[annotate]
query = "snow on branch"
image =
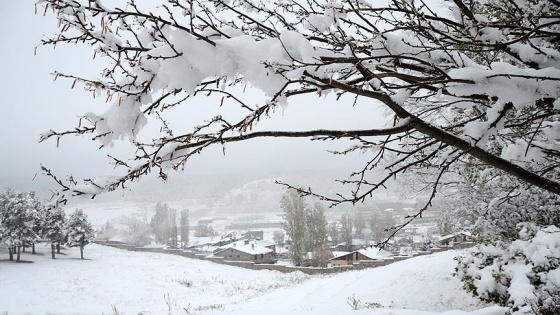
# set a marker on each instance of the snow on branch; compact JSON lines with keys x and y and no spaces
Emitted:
{"x":477,"y":80}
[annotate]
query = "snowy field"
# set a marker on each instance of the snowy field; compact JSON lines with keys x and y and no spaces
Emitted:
{"x":150,"y":283}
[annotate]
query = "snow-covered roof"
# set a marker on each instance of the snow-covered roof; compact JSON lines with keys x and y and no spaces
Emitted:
{"x":153,"y":246}
{"x":338,"y":254}
{"x":448,"y":236}
{"x":251,"y":248}
{"x":240,"y":243}
{"x":264,"y":243}
{"x":374,"y":253}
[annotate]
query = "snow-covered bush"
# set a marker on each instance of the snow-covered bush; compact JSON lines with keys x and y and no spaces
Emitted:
{"x":429,"y":243}
{"x":522,"y":274}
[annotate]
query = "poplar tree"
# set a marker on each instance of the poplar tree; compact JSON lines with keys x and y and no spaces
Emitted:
{"x":294,"y":224}
{"x":184,"y":227}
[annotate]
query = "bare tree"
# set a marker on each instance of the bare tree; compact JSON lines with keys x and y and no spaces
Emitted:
{"x":316,"y":227}
{"x":136,"y":231}
{"x":359,"y":225}
{"x":279,"y":237}
{"x":185,"y":227}
{"x":381,"y":225}
{"x":464,"y":81}
{"x":204,"y":230}
{"x":347,"y":230}
{"x":334,"y":233}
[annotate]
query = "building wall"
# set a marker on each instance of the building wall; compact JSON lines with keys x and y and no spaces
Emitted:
{"x":286,"y":269}
{"x":237,"y":255}
{"x":336,"y":263}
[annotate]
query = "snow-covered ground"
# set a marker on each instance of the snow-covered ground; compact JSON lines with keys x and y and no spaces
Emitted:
{"x":150,"y":283}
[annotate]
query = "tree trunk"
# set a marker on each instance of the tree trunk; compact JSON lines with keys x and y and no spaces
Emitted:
{"x":18,"y":253}
{"x":52,"y":250}
{"x":11,"y":253}
{"x":33,"y":248}
{"x":58,"y":248}
{"x":82,"y":251}
{"x":24,"y":248}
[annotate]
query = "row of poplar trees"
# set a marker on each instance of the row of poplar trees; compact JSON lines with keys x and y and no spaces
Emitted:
{"x":164,"y":225}
{"x":307,"y":228}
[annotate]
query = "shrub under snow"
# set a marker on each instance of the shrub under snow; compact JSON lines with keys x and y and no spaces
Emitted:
{"x":521,"y":274}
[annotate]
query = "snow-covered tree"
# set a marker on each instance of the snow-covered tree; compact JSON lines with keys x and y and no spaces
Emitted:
{"x":294,"y":224}
{"x":16,"y":221}
{"x":54,"y":228}
{"x":134,"y":230}
{"x":38,"y":213}
{"x":494,"y":210}
{"x":204,"y":230}
{"x":164,"y":224}
{"x":106,"y":231}
{"x":79,"y":231}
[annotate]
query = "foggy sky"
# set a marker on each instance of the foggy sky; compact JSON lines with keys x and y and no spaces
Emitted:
{"x":32,"y":103}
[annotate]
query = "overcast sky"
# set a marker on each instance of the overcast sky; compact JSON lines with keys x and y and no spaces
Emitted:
{"x":32,"y":103}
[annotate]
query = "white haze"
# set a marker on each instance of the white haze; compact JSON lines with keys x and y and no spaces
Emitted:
{"x":32,"y":103}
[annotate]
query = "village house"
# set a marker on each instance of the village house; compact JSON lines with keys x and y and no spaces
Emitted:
{"x":456,"y":238}
{"x":369,"y":253}
{"x":246,"y":251}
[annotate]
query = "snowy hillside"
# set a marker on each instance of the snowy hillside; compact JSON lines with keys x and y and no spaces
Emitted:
{"x":149,"y":283}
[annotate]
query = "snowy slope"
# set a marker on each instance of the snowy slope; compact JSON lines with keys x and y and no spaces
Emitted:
{"x":160,"y":284}
{"x":421,"y":283}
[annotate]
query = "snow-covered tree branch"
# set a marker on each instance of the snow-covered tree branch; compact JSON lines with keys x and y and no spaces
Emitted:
{"x":464,"y":80}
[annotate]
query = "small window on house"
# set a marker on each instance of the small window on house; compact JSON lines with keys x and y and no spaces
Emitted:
{"x":262,"y":255}
{"x":255,"y":257}
{"x":237,"y":256}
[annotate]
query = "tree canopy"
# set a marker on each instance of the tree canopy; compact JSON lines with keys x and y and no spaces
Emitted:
{"x":471,"y":85}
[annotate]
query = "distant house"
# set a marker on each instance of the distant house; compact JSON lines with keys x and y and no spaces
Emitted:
{"x":246,"y":252}
{"x":224,"y":241}
{"x":357,"y":243}
{"x":254,"y":235}
{"x":267,"y":244}
{"x":456,"y":238}
{"x":369,"y":253}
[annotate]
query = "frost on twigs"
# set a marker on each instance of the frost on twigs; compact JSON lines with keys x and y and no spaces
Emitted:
{"x":465,"y":84}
